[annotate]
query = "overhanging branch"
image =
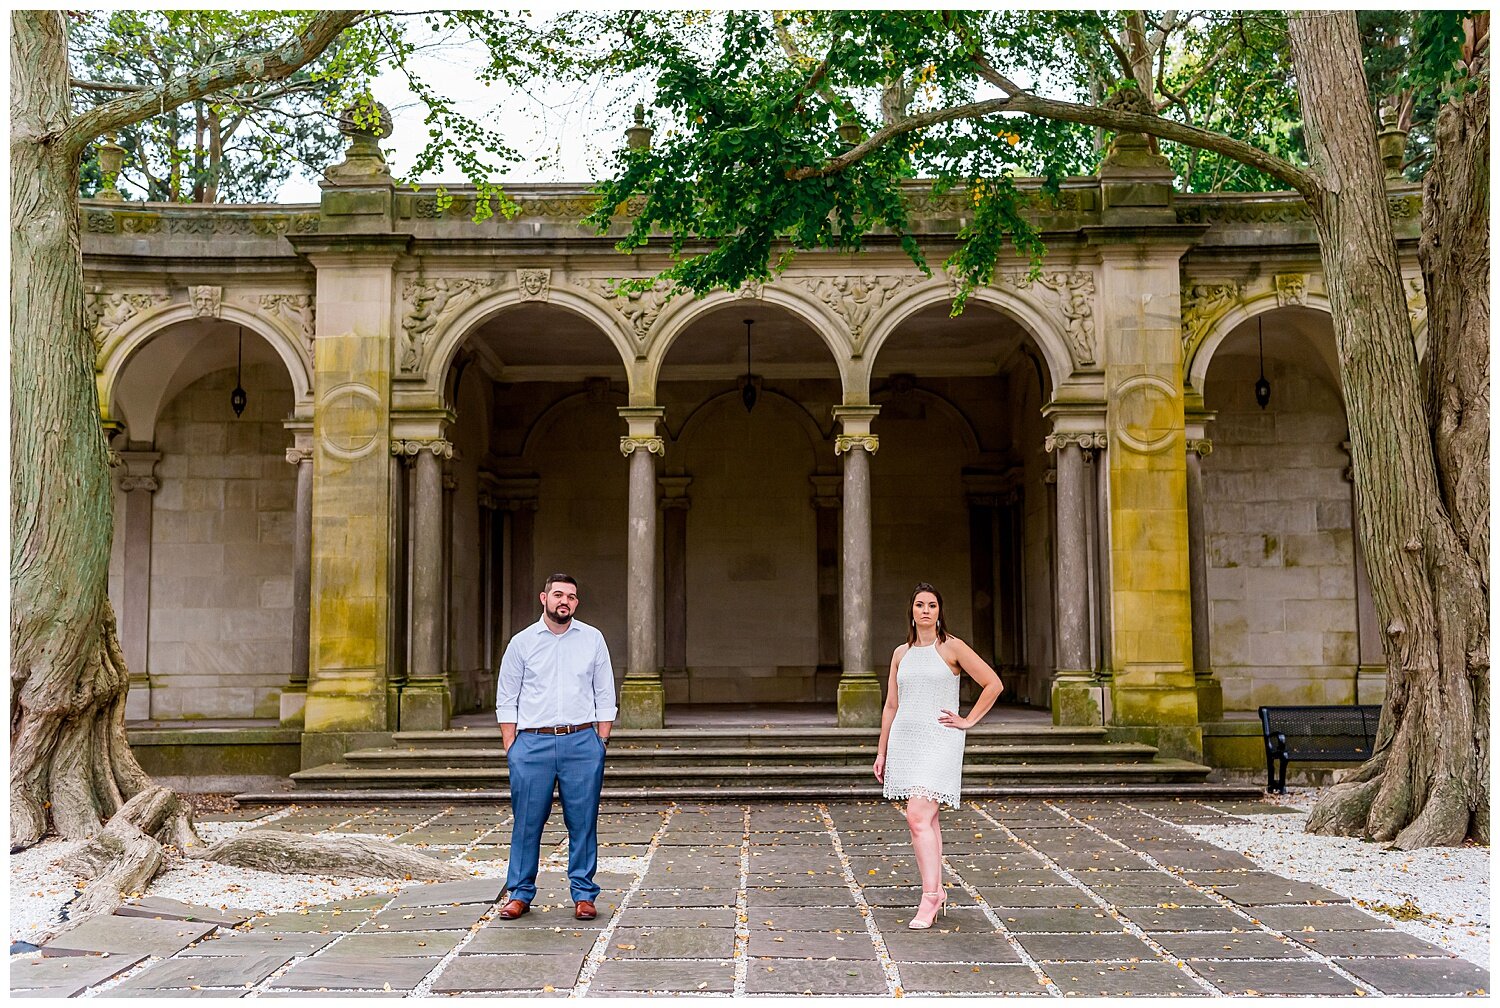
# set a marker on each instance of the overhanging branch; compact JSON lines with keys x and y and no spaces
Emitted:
{"x":273,"y":64}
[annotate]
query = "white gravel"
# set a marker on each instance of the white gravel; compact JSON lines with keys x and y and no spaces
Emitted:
{"x":1438,"y":894}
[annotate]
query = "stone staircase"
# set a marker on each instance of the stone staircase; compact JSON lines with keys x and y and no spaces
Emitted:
{"x":749,"y":762}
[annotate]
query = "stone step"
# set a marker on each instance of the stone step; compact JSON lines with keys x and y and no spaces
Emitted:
{"x":691,"y":758}
{"x":1116,"y":790}
{"x":770,"y":735}
{"x":1160,"y":771}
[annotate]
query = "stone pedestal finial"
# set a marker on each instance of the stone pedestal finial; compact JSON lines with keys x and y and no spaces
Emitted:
{"x":111,"y":160}
{"x":1135,"y":180}
{"x":638,"y":137}
{"x":364,"y":161}
{"x":1392,"y":142}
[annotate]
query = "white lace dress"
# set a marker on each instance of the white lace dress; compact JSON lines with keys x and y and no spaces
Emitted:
{"x":923,"y":757}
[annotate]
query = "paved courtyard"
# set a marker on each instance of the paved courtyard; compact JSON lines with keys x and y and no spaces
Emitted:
{"x":1053,"y":898}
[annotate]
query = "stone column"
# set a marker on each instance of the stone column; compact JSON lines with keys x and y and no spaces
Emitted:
{"x":450,"y":488}
{"x":674,"y":507}
{"x":1076,"y":696}
{"x":517,"y":497}
{"x":350,"y":609}
{"x":1369,"y":669}
{"x":138,"y":483}
{"x":826,"y":502}
{"x":642,"y":694}
{"x":426,"y":703}
{"x":1153,"y":691}
{"x":294,"y":695}
{"x":860,"y":690}
{"x":399,"y":576}
{"x":1210,"y":689}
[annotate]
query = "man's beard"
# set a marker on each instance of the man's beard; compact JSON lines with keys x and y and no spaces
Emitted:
{"x":554,"y":617}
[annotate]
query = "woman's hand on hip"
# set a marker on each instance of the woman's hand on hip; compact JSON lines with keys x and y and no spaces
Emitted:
{"x":948,"y":719}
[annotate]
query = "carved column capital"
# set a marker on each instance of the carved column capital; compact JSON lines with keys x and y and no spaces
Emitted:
{"x":439,"y":447}
{"x":139,"y":471}
{"x":1200,"y":446}
{"x":654,"y":445}
{"x":296,"y":456}
{"x":150,"y":484}
{"x":847,"y":442}
{"x":1087,"y":440}
{"x":674,"y":493}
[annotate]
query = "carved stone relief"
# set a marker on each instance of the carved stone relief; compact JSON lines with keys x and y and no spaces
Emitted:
{"x":535,"y":284}
{"x":856,"y":299}
{"x":1201,"y":304}
{"x":424,"y":303}
{"x":640,"y":308}
{"x":297,"y":311}
{"x":207,"y":300}
{"x":1291,"y":289}
{"x":1075,"y":298}
{"x":104,"y":312}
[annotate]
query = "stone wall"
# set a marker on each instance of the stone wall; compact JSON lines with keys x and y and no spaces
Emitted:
{"x":1279,"y":542}
{"x":221,"y":575}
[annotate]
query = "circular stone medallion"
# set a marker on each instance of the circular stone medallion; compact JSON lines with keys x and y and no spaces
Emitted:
{"x":348,"y":418}
{"x":1150,"y":415}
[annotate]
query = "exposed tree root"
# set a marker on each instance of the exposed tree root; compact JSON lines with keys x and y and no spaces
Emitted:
{"x":346,"y":857}
{"x":124,"y":858}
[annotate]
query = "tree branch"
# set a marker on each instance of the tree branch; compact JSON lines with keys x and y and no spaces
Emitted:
{"x":92,"y":85}
{"x":274,"y":64}
{"x":1089,"y":115}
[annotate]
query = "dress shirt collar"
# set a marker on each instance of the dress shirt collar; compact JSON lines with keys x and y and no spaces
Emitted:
{"x":542,"y":627}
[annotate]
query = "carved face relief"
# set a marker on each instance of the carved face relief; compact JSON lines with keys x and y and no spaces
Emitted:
{"x":206,"y":300}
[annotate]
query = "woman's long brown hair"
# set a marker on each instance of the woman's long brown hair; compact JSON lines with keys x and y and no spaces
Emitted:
{"x":911,"y":623}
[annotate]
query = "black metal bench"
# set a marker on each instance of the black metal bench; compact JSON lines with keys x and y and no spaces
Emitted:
{"x":1322,"y":734}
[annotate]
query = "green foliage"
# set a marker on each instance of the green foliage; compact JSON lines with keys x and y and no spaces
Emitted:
{"x":238,"y":146}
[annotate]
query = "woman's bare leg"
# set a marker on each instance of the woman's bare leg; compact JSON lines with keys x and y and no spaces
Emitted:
{"x":927,"y":845}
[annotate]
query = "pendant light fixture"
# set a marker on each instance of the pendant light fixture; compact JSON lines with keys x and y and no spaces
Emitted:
{"x":237,"y":398}
{"x":747,"y":390}
{"x":1262,"y":387}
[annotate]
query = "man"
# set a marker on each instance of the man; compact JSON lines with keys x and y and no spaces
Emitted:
{"x":556,"y":704}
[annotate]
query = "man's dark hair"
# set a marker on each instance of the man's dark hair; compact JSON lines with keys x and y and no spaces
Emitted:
{"x":553,"y":579}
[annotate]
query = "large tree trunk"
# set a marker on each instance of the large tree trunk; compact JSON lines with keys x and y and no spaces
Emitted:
{"x":69,"y":758}
{"x":1426,"y":783}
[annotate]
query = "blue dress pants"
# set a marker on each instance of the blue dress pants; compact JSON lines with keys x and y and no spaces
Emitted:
{"x":575,"y":764}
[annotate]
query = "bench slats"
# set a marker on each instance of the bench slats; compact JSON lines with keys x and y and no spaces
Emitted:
{"x":1322,"y":733}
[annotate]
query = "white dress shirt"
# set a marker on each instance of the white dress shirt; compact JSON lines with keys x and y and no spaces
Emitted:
{"x":549,"y":679}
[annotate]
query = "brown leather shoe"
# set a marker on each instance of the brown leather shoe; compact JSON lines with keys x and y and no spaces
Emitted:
{"x":515,"y":908}
{"x":584,"y":910}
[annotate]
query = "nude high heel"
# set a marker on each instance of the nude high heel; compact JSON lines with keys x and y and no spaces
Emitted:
{"x":918,"y":924}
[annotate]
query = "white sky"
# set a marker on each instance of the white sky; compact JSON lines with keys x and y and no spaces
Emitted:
{"x":565,"y":133}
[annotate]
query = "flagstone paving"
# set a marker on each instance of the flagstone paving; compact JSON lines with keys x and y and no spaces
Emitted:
{"x":1044,"y":898}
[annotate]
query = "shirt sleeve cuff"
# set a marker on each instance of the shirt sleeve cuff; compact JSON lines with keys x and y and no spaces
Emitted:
{"x":507,"y":715}
{"x":605,"y":713}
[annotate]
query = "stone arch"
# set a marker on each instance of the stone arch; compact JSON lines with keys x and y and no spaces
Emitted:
{"x":125,"y":346}
{"x":1195,"y":368}
{"x":684,"y":310}
{"x":1033,"y":317}
{"x":454,"y":332}
{"x":548,"y":416}
{"x":819,"y":439}
{"x":958,"y":417}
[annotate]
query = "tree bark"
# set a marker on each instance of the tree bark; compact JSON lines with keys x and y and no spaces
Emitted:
{"x":348,"y":856}
{"x":1423,"y":786}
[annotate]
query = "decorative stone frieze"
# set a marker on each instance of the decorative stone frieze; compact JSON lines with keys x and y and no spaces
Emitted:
{"x":654,"y":445}
{"x":424,"y":302}
{"x":856,"y":299}
{"x":640,"y":308}
{"x":1291,"y":289}
{"x":535,"y":284}
{"x":104,"y":312}
{"x":845,"y":442}
{"x":411,"y":448}
{"x":297,"y":311}
{"x":207,"y":301}
{"x":1201,"y":304}
{"x":1087,"y":440}
{"x":1239,"y":210}
{"x":204,"y":222}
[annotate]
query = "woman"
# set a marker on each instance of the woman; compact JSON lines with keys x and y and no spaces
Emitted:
{"x":923,"y":736}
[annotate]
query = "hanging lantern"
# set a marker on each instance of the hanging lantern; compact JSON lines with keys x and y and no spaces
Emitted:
{"x":747,"y":390}
{"x":1262,"y":387}
{"x":237,"y":398}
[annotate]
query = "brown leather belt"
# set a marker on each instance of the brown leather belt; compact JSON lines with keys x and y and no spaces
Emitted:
{"x":566,"y":729}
